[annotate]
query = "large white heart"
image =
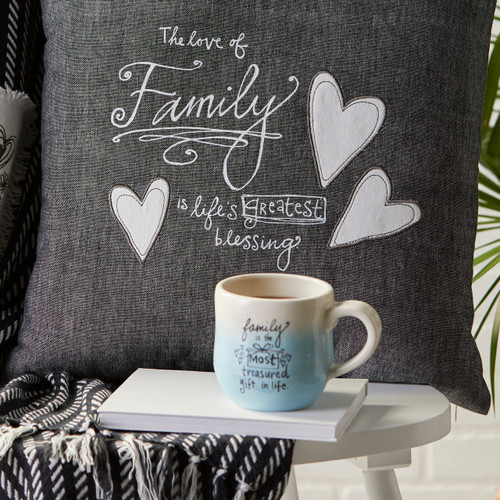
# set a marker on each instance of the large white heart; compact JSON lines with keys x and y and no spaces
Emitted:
{"x":370,"y":213}
{"x":339,"y":132}
{"x":141,"y":219}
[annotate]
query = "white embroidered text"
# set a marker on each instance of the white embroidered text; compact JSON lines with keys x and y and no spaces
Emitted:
{"x":241,"y":103}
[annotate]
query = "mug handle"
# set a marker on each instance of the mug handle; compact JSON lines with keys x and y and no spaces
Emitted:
{"x":369,"y":317}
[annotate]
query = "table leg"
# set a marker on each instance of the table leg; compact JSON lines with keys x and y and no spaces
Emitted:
{"x":291,"y":492}
{"x":381,"y":485}
{"x":378,"y":473}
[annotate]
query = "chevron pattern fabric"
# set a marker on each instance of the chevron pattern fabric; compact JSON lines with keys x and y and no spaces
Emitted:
{"x":21,"y":68}
{"x":53,"y":447}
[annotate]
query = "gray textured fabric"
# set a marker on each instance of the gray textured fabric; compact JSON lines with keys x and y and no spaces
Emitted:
{"x":109,"y":294}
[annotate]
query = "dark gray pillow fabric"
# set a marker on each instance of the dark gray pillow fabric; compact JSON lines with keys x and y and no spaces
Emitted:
{"x":184,"y":142}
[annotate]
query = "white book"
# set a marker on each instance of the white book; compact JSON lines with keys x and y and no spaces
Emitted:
{"x":189,"y":401}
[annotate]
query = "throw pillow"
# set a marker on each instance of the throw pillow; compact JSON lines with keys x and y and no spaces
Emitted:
{"x":184,"y":142}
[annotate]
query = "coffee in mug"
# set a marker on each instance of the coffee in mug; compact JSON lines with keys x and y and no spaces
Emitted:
{"x":274,"y":339}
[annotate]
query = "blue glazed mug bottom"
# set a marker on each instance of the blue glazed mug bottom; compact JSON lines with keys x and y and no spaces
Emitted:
{"x":260,"y":375}
{"x":251,"y":399}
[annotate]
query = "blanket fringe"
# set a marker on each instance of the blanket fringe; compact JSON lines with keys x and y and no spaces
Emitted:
{"x":80,"y":450}
{"x":75,"y":448}
{"x":161,"y":474}
{"x":175,"y":489}
{"x":190,"y":479}
{"x":9,"y":434}
{"x":88,"y":451}
{"x":243,"y":488}
{"x":102,"y":466}
{"x":7,"y":94}
{"x":138,"y":453}
{"x":218,"y":482}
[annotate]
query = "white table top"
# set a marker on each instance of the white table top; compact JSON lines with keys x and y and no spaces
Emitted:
{"x":393,"y":417}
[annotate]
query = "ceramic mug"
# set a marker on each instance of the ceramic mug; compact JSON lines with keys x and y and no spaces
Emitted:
{"x":273,"y":346}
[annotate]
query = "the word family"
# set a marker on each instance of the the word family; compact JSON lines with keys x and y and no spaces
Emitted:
{"x":269,"y":327}
{"x":264,"y":364}
{"x":241,"y":102}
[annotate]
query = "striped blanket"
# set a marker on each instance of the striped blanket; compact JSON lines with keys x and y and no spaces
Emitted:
{"x":52,"y":447}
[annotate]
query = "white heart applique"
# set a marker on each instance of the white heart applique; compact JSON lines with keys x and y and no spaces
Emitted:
{"x":141,"y":219}
{"x":370,"y":213}
{"x":339,"y":132}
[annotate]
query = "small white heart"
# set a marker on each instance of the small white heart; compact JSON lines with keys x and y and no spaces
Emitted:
{"x":339,"y":132}
{"x":370,"y":213}
{"x":141,"y":219}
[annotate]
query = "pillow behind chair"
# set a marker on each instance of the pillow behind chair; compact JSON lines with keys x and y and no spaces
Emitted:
{"x":187,"y":141}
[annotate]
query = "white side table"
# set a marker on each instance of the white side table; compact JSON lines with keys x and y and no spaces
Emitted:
{"x":393,"y":419}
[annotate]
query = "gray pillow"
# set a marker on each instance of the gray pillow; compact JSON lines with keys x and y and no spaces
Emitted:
{"x":184,"y":142}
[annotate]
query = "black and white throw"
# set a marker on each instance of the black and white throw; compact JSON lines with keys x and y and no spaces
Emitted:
{"x":53,"y":447}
